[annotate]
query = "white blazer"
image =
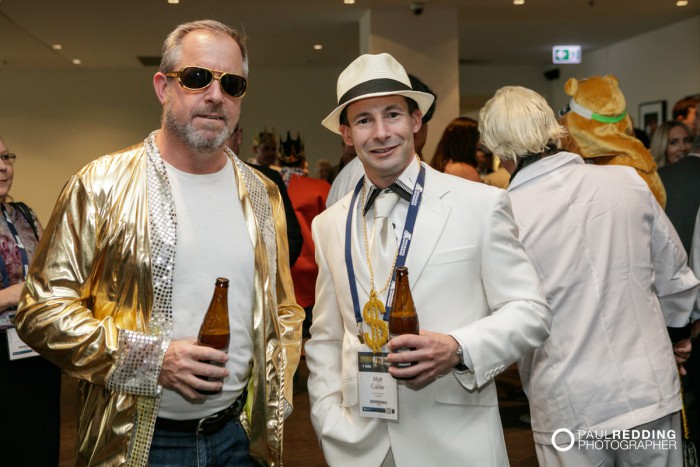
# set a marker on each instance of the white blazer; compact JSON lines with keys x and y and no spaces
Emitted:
{"x":616,"y":275}
{"x":469,"y":277}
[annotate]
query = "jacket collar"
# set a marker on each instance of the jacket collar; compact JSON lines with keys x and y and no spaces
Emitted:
{"x":544,"y":166}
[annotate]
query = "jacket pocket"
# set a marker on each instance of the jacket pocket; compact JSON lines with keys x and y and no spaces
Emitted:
{"x":449,"y":391}
{"x":451,"y":256}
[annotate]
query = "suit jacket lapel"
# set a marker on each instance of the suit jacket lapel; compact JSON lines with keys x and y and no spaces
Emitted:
{"x":432,"y":217}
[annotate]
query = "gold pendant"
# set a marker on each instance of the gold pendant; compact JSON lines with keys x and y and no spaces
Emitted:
{"x":373,"y":313}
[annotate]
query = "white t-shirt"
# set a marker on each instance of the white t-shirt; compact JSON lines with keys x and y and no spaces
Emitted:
{"x":212,"y":242}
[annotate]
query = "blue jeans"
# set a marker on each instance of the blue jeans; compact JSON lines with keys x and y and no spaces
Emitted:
{"x":227,"y":447}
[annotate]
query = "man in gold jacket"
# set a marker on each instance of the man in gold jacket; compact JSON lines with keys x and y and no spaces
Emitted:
{"x":125,"y":271}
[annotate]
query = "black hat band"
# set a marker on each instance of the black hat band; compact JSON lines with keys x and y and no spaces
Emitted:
{"x":373,"y":86}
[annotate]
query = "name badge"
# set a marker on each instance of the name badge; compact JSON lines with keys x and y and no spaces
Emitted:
{"x":378,"y":389}
{"x":17,"y":349}
{"x":6,"y":318}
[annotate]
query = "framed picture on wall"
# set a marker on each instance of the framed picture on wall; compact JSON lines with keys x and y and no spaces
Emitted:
{"x":651,"y":115}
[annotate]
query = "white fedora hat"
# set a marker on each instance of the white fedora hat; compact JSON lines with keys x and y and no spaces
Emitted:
{"x":373,"y":76}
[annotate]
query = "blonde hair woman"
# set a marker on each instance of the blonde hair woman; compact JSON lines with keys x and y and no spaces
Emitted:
{"x":672,"y":140}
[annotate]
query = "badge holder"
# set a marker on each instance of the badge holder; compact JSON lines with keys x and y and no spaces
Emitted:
{"x":16,"y":349}
{"x":378,"y":389}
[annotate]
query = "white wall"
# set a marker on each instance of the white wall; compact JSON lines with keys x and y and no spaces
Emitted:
{"x":478,"y":83}
{"x":659,"y":65}
{"x":56,"y":121}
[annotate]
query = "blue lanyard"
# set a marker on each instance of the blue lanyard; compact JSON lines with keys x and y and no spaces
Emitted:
{"x":403,"y":246}
{"x":20,"y":246}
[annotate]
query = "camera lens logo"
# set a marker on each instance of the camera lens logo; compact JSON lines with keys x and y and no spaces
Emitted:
{"x":562,"y":448}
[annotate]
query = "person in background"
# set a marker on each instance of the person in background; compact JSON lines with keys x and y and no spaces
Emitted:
{"x":324,"y":170}
{"x":499,"y":178}
{"x":642,"y":136}
{"x":599,"y":129}
{"x":484,"y":160}
{"x":682,"y":208}
{"x":686,"y":111}
{"x":308,"y":197}
{"x":477,"y":296}
{"x":346,"y":180}
{"x":121,"y":281}
{"x":235,"y":140}
{"x":265,"y":149}
{"x":30,"y":386}
{"x":294,"y":237}
{"x":696,"y":128}
{"x":456,"y":151}
{"x":683,"y":193}
{"x":616,"y":277}
{"x":347,"y":154}
{"x":421,"y":136}
{"x":350,"y":173}
{"x":672,"y":141}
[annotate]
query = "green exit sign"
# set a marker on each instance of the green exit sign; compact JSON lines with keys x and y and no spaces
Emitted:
{"x":566,"y":54}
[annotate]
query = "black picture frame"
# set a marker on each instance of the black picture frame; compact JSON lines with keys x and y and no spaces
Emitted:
{"x":651,"y":115}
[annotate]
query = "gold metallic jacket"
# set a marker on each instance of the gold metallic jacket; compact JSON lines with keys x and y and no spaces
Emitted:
{"x":97,"y":303}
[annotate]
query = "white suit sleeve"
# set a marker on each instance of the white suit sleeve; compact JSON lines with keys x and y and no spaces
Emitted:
{"x":520,"y":317}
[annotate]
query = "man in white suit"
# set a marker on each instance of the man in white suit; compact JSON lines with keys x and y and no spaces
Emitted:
{"x":478,"y":298}
{"x":621,"y":293}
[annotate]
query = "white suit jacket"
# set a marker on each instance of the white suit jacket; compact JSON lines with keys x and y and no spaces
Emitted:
{"x":616,"y":275}
{"x":469,"y":277}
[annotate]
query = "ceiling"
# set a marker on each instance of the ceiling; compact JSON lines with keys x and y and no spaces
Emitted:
{"x":112,"y":34}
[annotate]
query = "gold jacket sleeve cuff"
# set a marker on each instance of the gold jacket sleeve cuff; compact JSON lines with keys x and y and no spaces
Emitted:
{"x":139,"y":360}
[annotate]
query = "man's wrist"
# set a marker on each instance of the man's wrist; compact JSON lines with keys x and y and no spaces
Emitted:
{"x":460,"y":366}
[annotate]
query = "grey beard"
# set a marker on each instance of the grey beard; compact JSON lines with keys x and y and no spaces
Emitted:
{"x":188,"y":134}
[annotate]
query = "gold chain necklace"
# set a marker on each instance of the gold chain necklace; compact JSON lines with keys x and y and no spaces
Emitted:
{"x":373,"y":311}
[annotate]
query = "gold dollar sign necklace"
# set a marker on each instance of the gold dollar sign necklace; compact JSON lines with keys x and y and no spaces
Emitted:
{"x":373,"y":311}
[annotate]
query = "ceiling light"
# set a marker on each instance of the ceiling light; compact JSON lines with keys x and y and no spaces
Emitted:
{"x":682,"y":3}
{"x":76,"y":61}
{"x":518,"y":2}
{"x":318,"y":47}
{"x":57,"y":46}
{"x":349,"y":2}
{"x":173,"y":2}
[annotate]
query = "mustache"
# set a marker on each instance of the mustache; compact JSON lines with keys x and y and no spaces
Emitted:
{"x":211,"y":109}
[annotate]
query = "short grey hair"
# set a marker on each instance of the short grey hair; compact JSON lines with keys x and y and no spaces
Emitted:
{"x":172,"y":46}
{"x":517,"y":121}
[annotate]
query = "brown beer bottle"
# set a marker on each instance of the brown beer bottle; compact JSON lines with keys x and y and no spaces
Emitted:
{"x":215,"y":331}
{"x":403,"y":318}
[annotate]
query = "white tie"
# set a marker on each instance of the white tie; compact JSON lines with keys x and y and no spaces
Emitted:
{"x":383,"y":245}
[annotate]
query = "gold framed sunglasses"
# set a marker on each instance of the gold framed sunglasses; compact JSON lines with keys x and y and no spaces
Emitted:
{"x":8,"y":159}
{"x":196,"y":78}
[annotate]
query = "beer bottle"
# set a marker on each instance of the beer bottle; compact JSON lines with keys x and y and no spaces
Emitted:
{"x":215,"y":331}
{"x":403,"y":318}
